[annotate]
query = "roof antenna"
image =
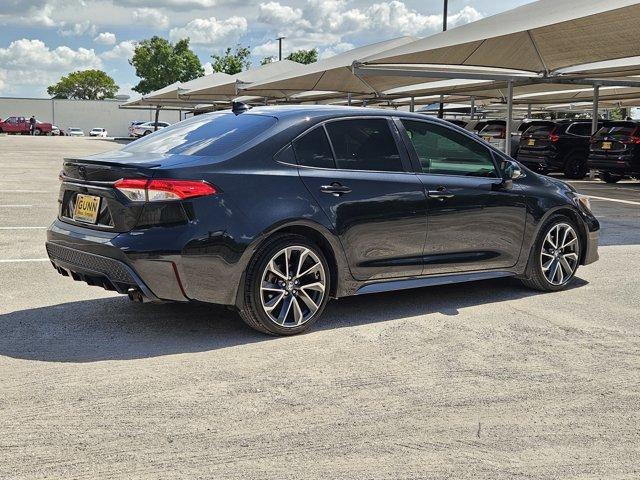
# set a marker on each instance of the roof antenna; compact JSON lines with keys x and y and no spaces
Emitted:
{"x":239,"y":107}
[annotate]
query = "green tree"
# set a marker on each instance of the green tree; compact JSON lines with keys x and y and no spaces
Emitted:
{"x":232,"y":62}
{"x":84,"y":85}
{"x":159,"y":63}
{"x":267,"y":60}
{"x":304,"y":56}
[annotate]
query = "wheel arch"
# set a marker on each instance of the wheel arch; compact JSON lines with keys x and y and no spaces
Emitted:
{"x":341,"y":281}
{"x":571,"y":213}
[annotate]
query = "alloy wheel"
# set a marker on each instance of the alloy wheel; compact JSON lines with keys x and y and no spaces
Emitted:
{"x":559,"y":256}
{"x":293,"y":286}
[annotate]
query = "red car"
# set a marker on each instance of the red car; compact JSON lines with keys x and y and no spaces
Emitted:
{"x":20,"y":126}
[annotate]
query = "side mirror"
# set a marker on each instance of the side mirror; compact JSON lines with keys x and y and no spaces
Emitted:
{"x":511,"y":170}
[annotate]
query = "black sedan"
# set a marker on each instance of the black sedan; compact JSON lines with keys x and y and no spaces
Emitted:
{"x":274,"y":210}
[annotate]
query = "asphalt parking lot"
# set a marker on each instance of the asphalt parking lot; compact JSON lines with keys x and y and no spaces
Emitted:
{"x":482,"y":380}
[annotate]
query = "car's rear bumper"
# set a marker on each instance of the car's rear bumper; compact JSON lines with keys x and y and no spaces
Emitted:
{"x":539,"y":161}
{"x":622,"y":164}
{"x":94,"y":258}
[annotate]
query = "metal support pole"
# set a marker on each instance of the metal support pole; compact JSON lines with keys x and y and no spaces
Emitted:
{"x":441,"y":107}
{"x":444,"y":15}
{"x":348,"y":99}
{"x":507,"y":133}
{"x":280,"y":47}
{"x":412,"y":105}
{"x":155,"y":127}
{"x":529,"y":111}
{"x":594,"y":120}
{"x":473,"y":107}
{"x":594,"y":111}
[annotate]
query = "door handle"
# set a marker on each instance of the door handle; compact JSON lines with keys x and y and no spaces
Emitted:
{"x":440,"y":193}
{"x":336,"y":189}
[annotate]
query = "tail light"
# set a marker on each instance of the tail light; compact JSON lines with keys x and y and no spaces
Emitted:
{"x":503,"y":133}
{"x":634,"y":137}
{"x":157,"y":190}
{"x":554,"y":137}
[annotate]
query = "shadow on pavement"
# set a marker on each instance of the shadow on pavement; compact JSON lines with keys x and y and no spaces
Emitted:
{"x":117,"y":329}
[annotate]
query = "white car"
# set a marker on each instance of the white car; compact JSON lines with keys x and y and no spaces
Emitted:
{"x":147,"y":128}
{"x":75,"y":132}
{"x":55,"y":131}
{"x":98,"y":132}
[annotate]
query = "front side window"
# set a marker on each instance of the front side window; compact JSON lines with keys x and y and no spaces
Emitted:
{"x":364,"y":144}
{"x":313,"y":149}
{"x":446,"y":152}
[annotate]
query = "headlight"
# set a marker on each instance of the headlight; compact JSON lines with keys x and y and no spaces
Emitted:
{"x":583,"y":201}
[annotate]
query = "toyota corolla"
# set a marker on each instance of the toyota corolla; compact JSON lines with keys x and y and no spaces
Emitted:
{"x":275,"y":210}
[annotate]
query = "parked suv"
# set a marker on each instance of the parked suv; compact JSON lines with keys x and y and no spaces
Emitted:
{"x":557,"y":146}
{"x":615,"y":151}
{"x":277,"y":209}
{"x":495,"y":133}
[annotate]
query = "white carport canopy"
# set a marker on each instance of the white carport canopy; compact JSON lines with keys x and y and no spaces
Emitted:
{"x":539,"y":37}
{"x":170,"y":92}
{"x":330,"y":74}
{"x":227,"y":88}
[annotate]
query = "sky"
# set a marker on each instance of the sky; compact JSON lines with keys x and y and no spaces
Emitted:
{"x":42,"y":40}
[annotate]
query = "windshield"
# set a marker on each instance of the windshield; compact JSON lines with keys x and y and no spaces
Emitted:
{"x":493,"y":129}
{"x":205,"y":135}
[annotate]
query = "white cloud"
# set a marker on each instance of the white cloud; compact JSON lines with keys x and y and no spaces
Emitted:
{"x":211,"y":32}
{"x":335,"y":49}
{"x":105,"y":38}
{"x":208,"y":68}
{"x":27,"y":12}
{"x":31,"y":63}
{"x":122,"y":50}
{"x":78,"y":29}
{"x":466,"y":15}
{"x":151,"y":17}
{"x":170,"y":4}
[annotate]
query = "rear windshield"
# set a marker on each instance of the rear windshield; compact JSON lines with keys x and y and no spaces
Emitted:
{"x":539,"y":130}
{"x":205,"y":135}
{"x":493,"y":128}
{"x":620,"y":132}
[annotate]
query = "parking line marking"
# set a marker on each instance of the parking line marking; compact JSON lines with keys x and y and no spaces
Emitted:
{"x":628,"y":202}
{"x":23,"y":228}
{"x":23,"y":260}
{"x":16,"y":206}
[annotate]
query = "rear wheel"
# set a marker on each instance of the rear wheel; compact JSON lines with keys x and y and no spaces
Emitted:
{"x":37,"y":131}
{"x":146,"y":132}
{"x":555,"y":256}
{"x":575,"y":166}
{"x":287,"y":286}
{"x":610,"y":177}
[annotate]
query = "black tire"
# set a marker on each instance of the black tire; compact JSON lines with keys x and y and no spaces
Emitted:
{"x":37,"y":132}
{"x":251,"y":309}
{"x":610,"y":177}
{"x":534,"y":277}
{"x":146,"y":132}
{"x":575,"y":167}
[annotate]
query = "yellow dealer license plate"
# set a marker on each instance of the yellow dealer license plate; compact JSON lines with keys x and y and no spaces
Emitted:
{"x":532,"y":142}
{"x":606,"y":145}
{"x":87,"y":208}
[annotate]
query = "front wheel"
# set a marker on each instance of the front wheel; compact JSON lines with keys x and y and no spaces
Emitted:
{"x":555,"y":256}
{"x":610,"y":177}
{"x":287,"y":286}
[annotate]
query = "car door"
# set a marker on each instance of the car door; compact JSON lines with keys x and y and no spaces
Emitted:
{"x":12,"y":125}
{"x":363,"y":182}
{"x":475,"y":220}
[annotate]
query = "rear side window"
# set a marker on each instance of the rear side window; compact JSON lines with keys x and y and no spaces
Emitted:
{"x":204,"y":135}
{"x":364,"y":144}
{"x":446,"y":152}
{"x":580,"y":129}
{"x":313,"y":149}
